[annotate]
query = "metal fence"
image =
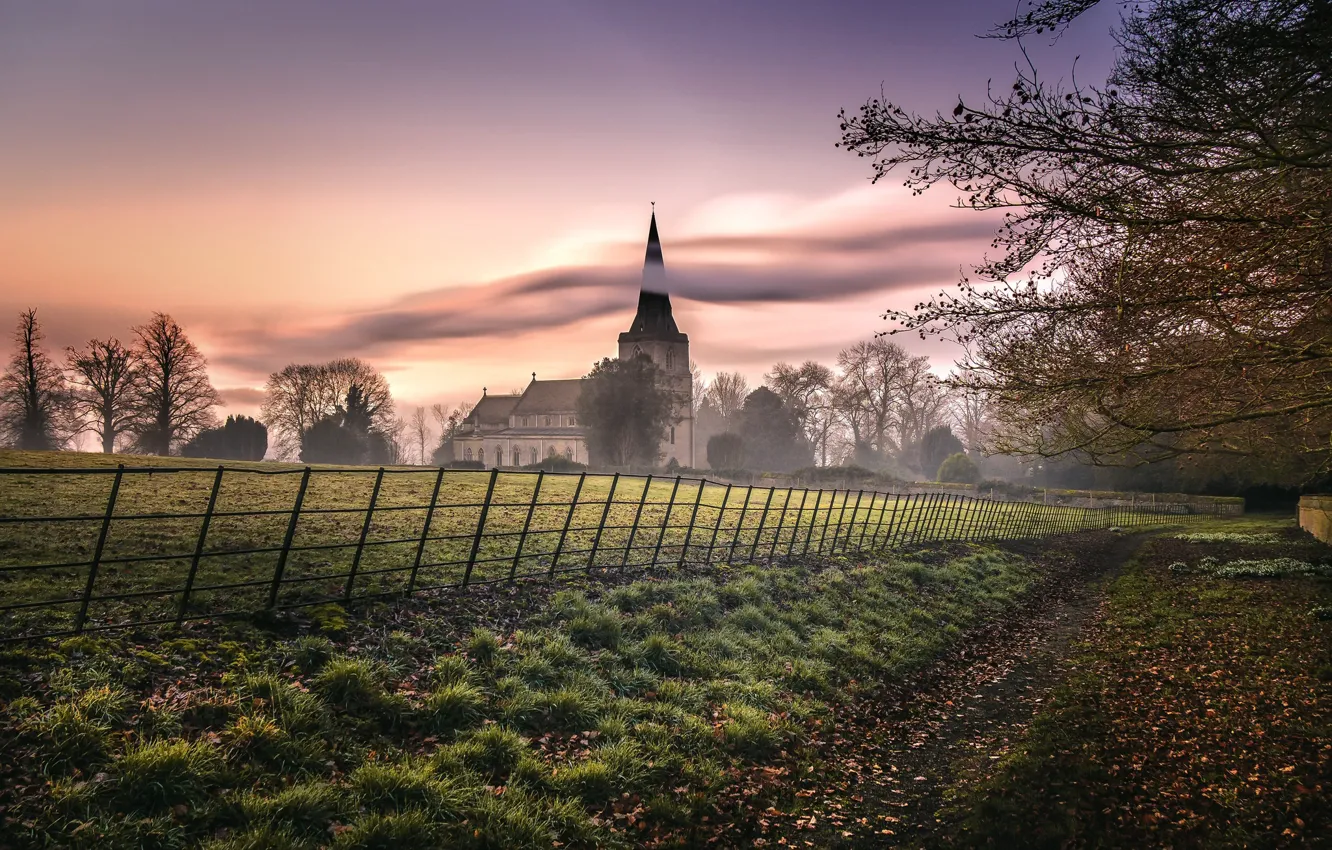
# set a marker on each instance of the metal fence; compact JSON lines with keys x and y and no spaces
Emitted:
{"x":84,"y":549}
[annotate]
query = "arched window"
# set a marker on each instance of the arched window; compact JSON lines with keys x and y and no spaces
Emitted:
{"x":481,"y":455}
{"x":467,"y":453}
{"x":517,"y":457}
{"x":672,"y":435}
{"x":534,"y":455}
{"x":670,"y":359}
{"x":568,"y":453}
{"x":638,"y":351}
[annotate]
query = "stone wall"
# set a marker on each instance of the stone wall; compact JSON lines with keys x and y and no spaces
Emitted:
{"x":1316,"y":516}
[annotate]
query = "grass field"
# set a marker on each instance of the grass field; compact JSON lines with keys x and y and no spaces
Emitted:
{"x":624,"y":714}
{"x":153,"y":548}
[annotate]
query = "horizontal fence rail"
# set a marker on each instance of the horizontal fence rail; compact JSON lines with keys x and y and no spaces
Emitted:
{"x":119,"y":546}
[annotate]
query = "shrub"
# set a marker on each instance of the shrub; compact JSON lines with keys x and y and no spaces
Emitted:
{"x":453,"y":707}
{"x":158,"y":774}
{"x":726,"y":451}
{"x":958,"y":469}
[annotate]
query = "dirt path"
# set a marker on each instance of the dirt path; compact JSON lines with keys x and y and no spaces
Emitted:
{"x":892,"y":771}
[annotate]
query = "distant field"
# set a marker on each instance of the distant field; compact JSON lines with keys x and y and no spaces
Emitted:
{"x":50,"y":524}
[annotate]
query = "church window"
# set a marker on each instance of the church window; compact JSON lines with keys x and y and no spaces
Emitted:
{"x":467,"y":453}
{"x":568,"y":453}
{"x":481,"y":456}
{"x":534,"y":454}
{"x":545,"y":420}
{"x":573,"y":420}
{"x":517,"y":457}
{"x":672,"y":435}
{"x":638,"y":351}
{"x":670,"y":359}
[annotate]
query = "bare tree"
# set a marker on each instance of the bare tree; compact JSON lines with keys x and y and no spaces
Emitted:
{"x":727,"y":392}
{"x":807,"y":390}
{"x":697,"y":388}
{"x":419,"y":426}
{"x":971,"y":414}
{"x":868,"y":391}
{"x":34,"y":397}
{"x":175,"y":398}
{"x":1163,"y":283}
{"x":104,"y":376}
{"x":301,"y":395}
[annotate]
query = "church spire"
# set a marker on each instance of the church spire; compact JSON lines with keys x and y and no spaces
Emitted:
{"x":653,"y":319}
{"x":653,"y":257}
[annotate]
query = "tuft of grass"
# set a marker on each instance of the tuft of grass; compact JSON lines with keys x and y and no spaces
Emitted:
{"x":661,"y":653}
{"x":354,"y":685}
{"x":596,"y":629}
{"x":68,"y":738}
{"x":307,"y":809}
{"x":311,"y":652}
{"x":410,"y":829}
{"x":398,"y":787}
{"x":493,"y":752}
{"x":748,"y":731}
{"x":164,"y":773}
{"x":259,"y":838}
{"x":483,"y":646}
{"x":451,"y":670}
{"x":453,"y":707}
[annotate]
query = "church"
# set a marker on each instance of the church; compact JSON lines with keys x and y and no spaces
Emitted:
{"x":542,"y":421}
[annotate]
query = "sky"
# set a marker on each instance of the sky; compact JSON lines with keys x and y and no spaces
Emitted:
{"x":459,"y":192}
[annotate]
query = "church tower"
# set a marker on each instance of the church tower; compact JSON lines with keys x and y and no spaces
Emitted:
{"x":655,"y":335}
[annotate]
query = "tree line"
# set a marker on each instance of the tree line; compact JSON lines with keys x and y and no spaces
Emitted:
{"x":150,"y":395}
{"x":877,"y":407}
{"x":1162,"y":289}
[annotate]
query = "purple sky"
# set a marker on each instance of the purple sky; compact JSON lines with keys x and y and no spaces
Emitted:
{"x":459,"y":191}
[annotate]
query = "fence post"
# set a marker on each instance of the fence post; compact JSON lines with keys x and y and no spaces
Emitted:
{"x":883,"y":517}
{"x":199,"y":547}
{"x":795,"y":529}
{"x":901,"y":510}
{"x":763,"y":518}
{"x":823,"y":535}
{"x":851,"y":523}
{"x":925,"y":519}
{"x":573,"y":505}
{"x":365,"y":531}
{"x":601,"y":526}
{"x":633,"y":531}
{"x":527,"y":524}
{"x":869,"y":512}
{"x":96,"y":561}
{"x":739,"y":525}
{"x":716,"y":529}
{"x":940,"y":523}
{"x":693,"y":517}
{"x":480,"y":527}
{"x":781,"y":523}
{"x":286,"y":541}
{"x":813,"y":521}
{"x":958,"y":505}
{"x":665,"y":521}
{"x":425,"y":533}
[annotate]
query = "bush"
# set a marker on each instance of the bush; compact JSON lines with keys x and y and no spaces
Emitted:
{"x":958,"y":469}
{"x":556,"y":463}
{"x":726,"y":451}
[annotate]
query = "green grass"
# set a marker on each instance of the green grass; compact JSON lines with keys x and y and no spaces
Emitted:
{"x":598,"y":720}
{"x":729,"y":524}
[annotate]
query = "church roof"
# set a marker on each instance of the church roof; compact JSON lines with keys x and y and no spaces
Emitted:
{"x":654,"y":320}
{"x":550,"y":397}
{"x":492,"y":410}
